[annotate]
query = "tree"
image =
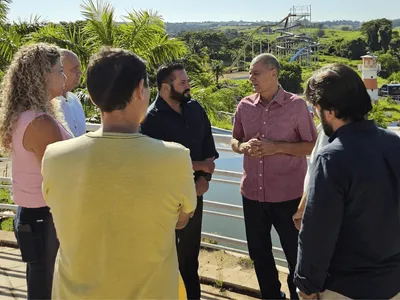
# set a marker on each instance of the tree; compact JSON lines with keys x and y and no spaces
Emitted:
{"x":378,"y":33}
{"x":370,"y":29}
{"x":68,"y":37}
{"x":142,"y":32}
{"x":385,"y":33}
{"x":217,"y":67}
{"x":357,"y":48}
{"x":4,"y":9}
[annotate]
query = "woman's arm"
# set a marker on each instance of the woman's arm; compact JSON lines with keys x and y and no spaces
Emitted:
{"x":41,"y":132}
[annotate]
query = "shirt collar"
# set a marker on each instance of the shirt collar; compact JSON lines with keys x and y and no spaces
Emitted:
{"x":353,"y":127}
{"x":278,"y":98}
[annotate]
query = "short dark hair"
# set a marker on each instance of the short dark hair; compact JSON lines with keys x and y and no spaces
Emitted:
{"x":339,"y":88}
{"x":112,"y":76}
{"x":164,"y":73}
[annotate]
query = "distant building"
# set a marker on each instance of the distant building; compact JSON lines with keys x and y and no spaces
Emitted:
{"x":369,"y":73}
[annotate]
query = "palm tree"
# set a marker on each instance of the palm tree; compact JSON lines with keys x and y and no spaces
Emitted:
{"x":4,"y":9}
{"x":71,"y":38}
{"x":100,"y":26}
{"x":10,"y":41}
{"x":13,"y":36}
{"x":217,"y":67}
{"x":142,"y":32}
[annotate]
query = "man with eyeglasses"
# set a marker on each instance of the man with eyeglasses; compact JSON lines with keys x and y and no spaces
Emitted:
{"x":275,"y":131}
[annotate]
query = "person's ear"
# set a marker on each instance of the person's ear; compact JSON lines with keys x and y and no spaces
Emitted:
{"x":329,"y":115}
{"x":138,"y":93}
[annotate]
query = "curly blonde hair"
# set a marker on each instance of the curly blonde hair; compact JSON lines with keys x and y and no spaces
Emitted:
{"x":24,"y":87}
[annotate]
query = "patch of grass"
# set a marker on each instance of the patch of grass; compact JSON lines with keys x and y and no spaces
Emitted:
{"x":219,"y":284}
{"x":326,"y":59}
{"x":332,"y":35}
{"x":209,"y":241}
{"x":389,"y":106}
{"x":6,"y":223}
{"x":224,"y":122}
{"x":5,"y":196}
{"x":246,"y":263}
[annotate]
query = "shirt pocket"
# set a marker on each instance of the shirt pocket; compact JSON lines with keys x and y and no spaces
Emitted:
{"x":282,"y":130}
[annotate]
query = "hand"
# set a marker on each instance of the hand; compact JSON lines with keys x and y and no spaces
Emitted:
{"x":209,"y":165}
{"x":297,"y":218}
{"x":201,"y":186}
{"x":265,"y":148}
{"x":305,"y":296}
{"x":250,"y":147}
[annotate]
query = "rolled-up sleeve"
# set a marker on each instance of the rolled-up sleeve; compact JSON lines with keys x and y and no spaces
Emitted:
{"x":237,"y":131}
{"x":305,"y":124}
{"x":320,"y":228}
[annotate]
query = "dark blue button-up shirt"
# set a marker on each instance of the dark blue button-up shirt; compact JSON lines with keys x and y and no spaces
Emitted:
{"x":350,"y":239}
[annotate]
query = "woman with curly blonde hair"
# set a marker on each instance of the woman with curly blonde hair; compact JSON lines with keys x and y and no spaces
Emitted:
{"x":29,"y":122}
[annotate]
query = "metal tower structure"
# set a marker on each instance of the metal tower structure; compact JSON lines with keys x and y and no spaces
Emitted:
{"x":296,"y":40}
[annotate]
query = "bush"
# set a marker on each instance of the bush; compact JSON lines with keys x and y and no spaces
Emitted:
{"x":390,"y":64}
{"x":290,"y":77}
{"x":378,"y":115}
{"x":320,"y":33}
{"x":394,"y":78}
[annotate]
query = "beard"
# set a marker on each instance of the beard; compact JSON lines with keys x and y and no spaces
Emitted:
{"x":328,"y":129}
{"x":180,"y":97}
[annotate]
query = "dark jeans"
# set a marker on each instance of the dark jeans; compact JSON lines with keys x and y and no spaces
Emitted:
{"x":259,"y":217}
{"x":188,"y":246}
{"x":38,"y":243}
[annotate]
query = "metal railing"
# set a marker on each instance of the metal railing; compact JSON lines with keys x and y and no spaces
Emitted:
{"x":220,"y":139}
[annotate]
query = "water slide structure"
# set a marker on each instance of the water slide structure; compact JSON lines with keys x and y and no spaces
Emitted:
{"x":290,"y":37}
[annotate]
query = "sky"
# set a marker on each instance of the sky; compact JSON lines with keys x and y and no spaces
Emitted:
{"x":214,"y":10}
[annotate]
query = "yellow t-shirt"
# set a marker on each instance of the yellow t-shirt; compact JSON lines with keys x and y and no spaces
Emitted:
{"x":115,"y":200}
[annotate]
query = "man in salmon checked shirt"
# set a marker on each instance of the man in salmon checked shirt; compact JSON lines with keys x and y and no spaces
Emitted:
{"x":275,"y":131}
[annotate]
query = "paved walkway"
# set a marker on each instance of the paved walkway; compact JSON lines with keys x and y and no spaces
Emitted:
{"x":13,"y":283}
{"x":12,"y":274}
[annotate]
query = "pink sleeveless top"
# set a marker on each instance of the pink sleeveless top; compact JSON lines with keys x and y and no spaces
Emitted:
{"x":26,"y":169}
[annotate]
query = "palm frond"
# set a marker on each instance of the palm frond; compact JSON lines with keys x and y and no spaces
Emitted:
{"x":33,"y":24}
{"x":139,"y":30}
{"x":10,"y":42}
{"x":72,"y":39}
{"x":4,"y":9}
{"x":165,"y":49}
{"x":100,"y":25}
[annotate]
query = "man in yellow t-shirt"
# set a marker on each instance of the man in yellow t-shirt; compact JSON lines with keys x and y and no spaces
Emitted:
{"x":117,"y":196}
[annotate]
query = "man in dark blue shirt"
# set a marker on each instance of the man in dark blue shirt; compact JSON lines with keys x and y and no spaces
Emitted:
{"x":175,"y":117}
{"x":349,"y":244}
